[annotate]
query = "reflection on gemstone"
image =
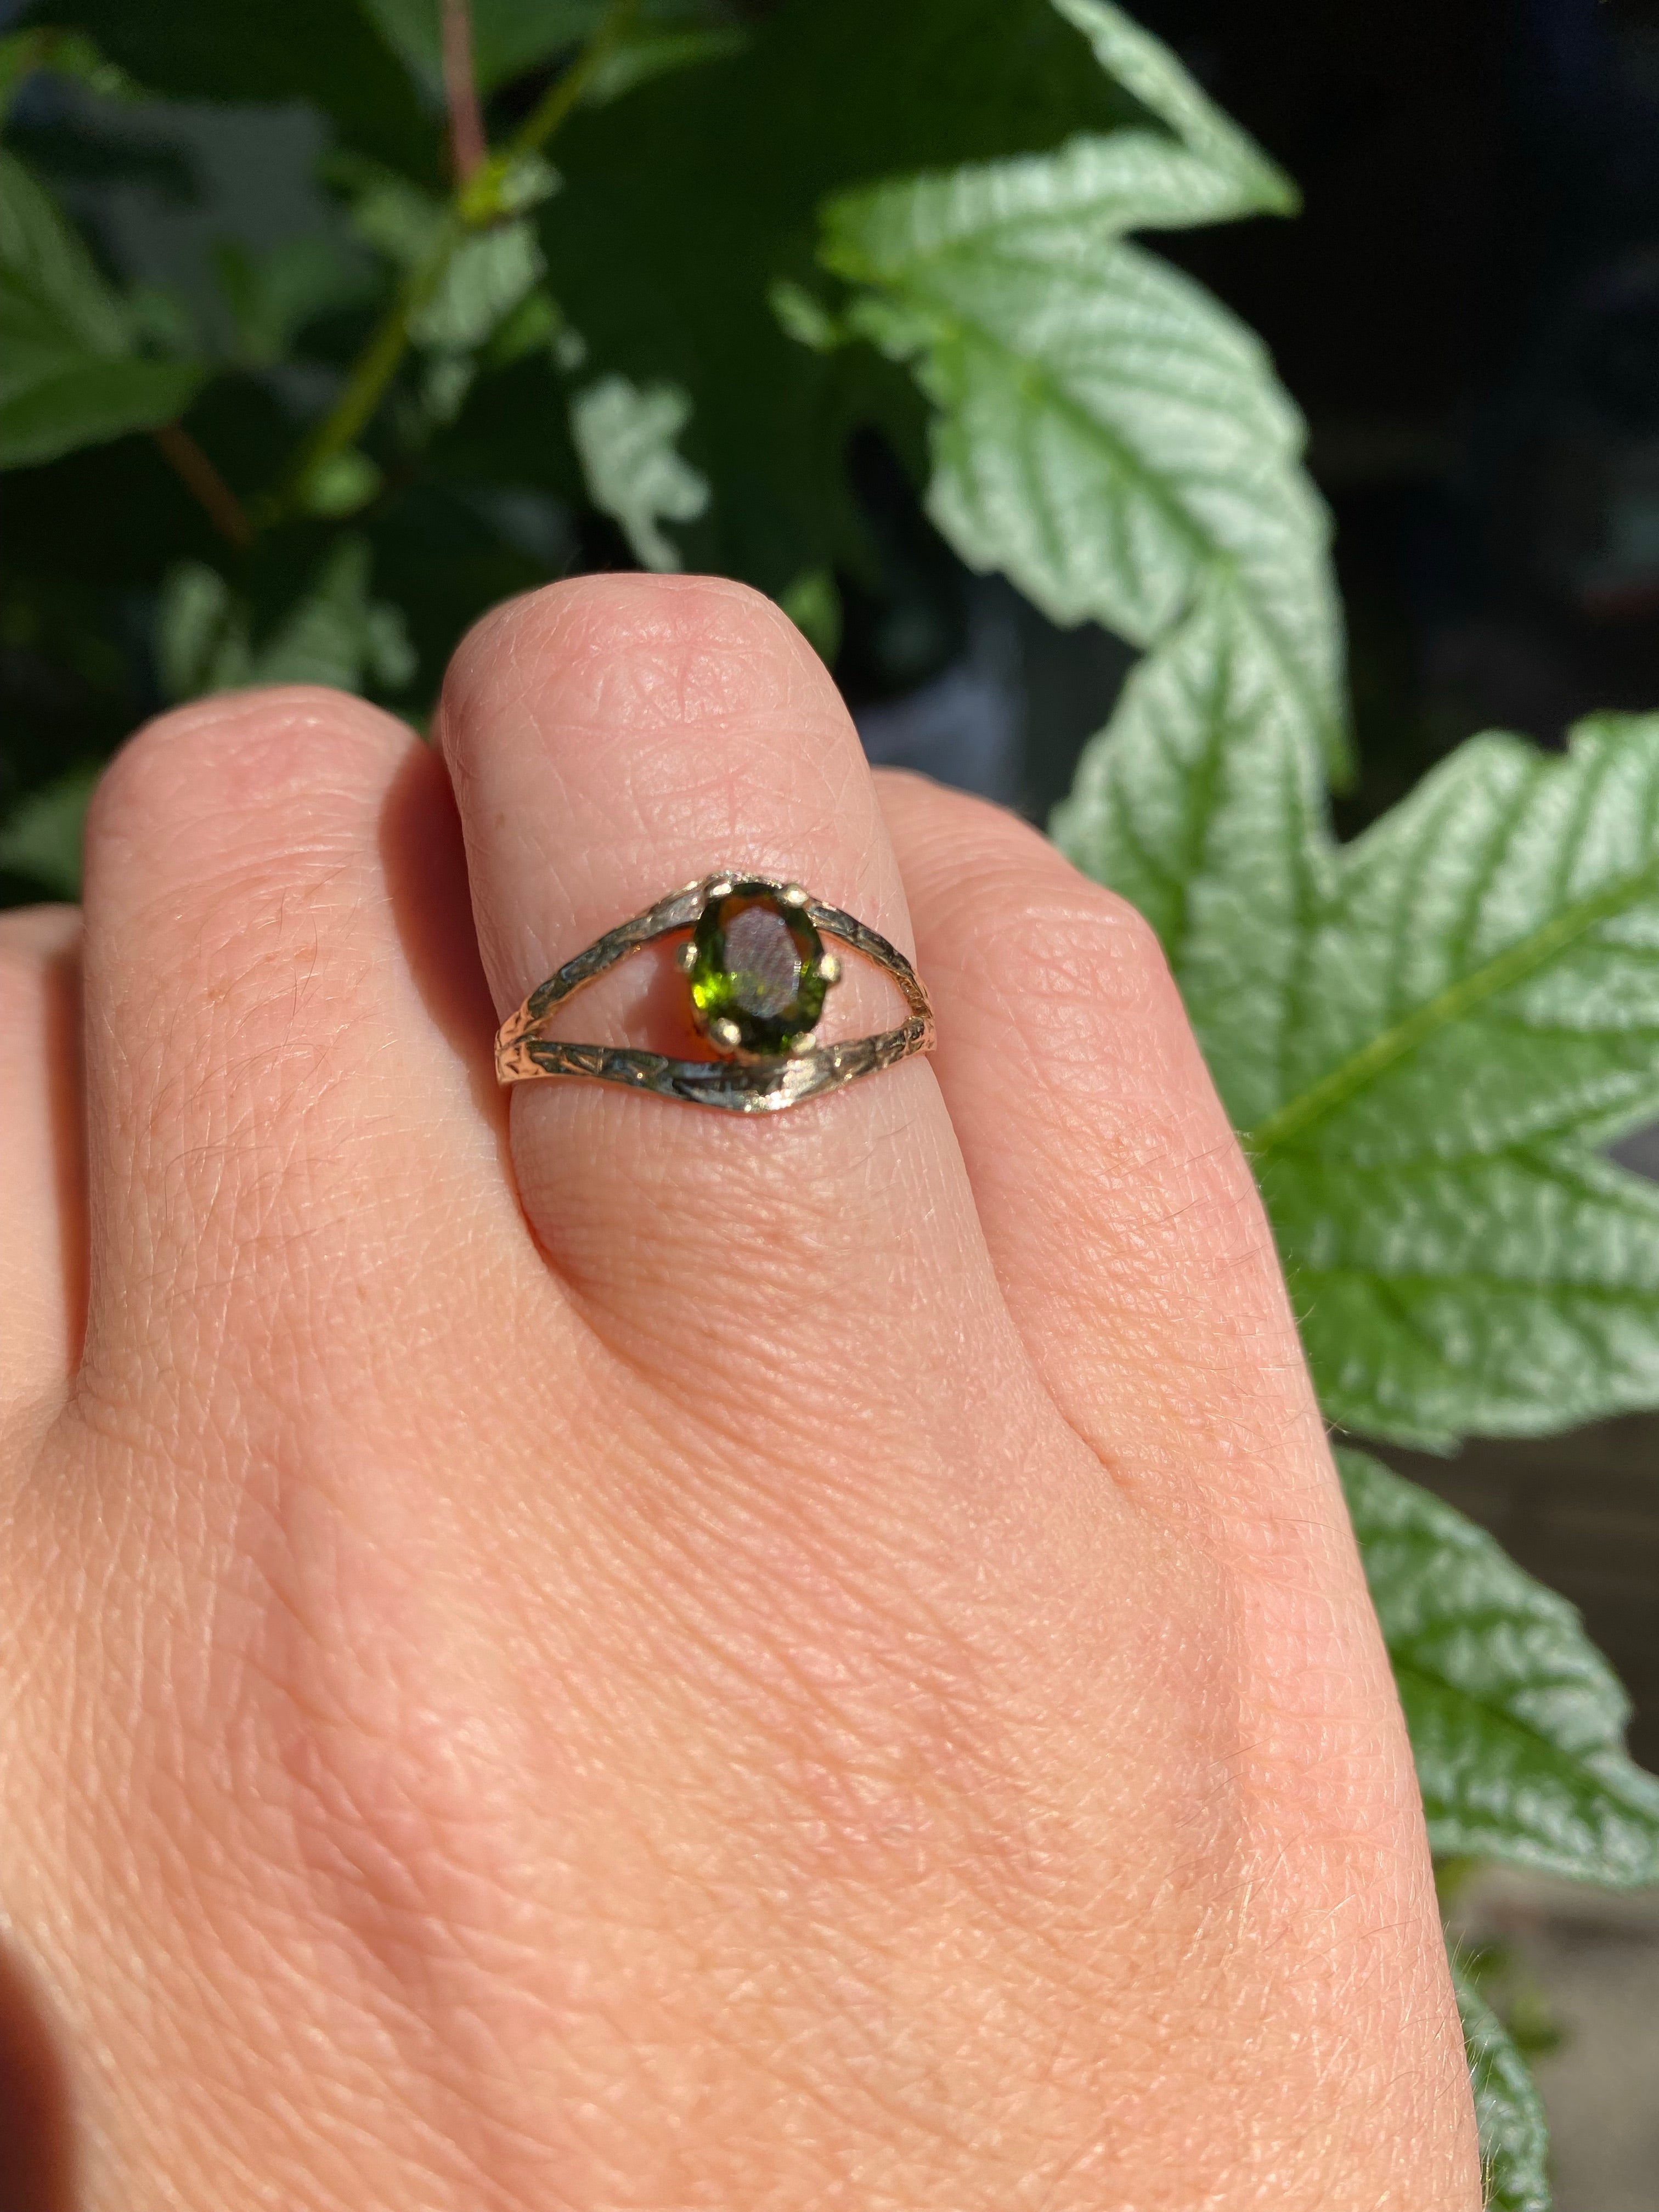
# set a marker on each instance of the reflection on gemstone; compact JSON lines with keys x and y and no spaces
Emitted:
{"x":756,"y":968}
{"x":761,"y":955}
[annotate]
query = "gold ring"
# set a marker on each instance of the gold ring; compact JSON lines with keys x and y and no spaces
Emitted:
{"x":758,"y":975}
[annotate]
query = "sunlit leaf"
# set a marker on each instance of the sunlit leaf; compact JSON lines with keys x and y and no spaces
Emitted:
{"x":704,"y":185}
{"x":1518,"y":1723}
{"x":1426,"y":1035}
{"x":1514,"y":2135}
{"x":1106,"y":434}
{"x":488,"y":277}
{"x":625,"y":438}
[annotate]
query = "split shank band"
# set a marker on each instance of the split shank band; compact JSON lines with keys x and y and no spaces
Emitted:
{"x":742,"y":1081}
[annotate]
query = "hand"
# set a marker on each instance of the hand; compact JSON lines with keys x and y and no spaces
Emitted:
{"x":617,"y":1657}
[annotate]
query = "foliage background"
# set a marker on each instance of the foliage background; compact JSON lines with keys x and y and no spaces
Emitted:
{"x":735,"y":329}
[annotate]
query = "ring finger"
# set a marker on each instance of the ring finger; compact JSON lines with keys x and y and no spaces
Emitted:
{"x":610,"y":739}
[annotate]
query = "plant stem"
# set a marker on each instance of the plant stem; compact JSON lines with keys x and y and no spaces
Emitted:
{"x":206,"y":485}
{"x":470,"y":209}
{"x":374,"y":370}
{"x":467,"y":143}
{"x":556,"y":102}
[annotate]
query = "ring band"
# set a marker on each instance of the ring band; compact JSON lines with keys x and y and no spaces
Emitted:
{"x":757,"y":976}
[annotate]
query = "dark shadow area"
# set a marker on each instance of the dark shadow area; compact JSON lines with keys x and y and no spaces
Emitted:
{"x":37,"y":2159}
{"x":1467,"y":311}
{"x":424,"y":862}
{"x":64,"y":1055}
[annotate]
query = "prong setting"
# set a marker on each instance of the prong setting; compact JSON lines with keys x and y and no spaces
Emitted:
{"x":756,"y":1002}
{"x":829,"y":967}
{"x":754,"y":971}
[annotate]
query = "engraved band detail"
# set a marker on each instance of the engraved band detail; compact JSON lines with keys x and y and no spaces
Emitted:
{"x":751,"y":1085}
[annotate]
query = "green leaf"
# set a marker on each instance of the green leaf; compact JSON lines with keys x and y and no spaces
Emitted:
{"x":625,"y":439}
{"x":1514,"y":2135}
{"x":69,"y":373}
{"x":1106,"y":434}
{"x":705,"y":186}
{"x":813,"y":603}
{"x":323,"y":52}
{"x":401,"y":220}
{"x":1425,"y":1035}
{"x":535,"y":325}
{"x":488,"y":275}
{"x":63,"y":53}
{"x":53,"y":298}
{"x":335,"y":634}
{"x":273,"y":295}
{"x":89,"y":404}
{"x":1207,"y":137}
{"x":201,"y":634}
{"x":804,"y":317}
{"x":1202,"y":802}
{"x":643,"y":52}
{"x":1200,"y":169}
{"x":511,"y":37}
{"x":1516,"y":1722}
{"x":342,"y":484}
{"x":42,"y":839}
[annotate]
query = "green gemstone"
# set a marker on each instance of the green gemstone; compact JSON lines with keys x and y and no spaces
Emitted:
{"x":757,"y":965}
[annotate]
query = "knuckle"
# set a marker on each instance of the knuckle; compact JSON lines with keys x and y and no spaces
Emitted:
{"x":1069,"y":938}
{"x":643,"y":653}
{"x":233,"y":852}
{"x":1092,"y":937}
{"x":1076,"y":943}
{"x":613,"y":614}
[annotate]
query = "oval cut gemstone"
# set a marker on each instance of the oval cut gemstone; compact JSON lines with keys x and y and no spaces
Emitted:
{"x":756,"y":965}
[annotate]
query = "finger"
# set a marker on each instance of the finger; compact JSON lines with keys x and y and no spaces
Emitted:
{"x":43,"y":1228}
{"x":610,"y":739}
{"x":1121,"y":1216}
{"x":292,"y":1137}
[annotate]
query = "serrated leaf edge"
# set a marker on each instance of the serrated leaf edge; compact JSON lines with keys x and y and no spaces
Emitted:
{"x":1490,"y":2053}
{"x":1606,"y":1765}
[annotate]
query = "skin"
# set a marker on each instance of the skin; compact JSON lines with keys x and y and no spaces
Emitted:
{"x":598,"y":1657}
